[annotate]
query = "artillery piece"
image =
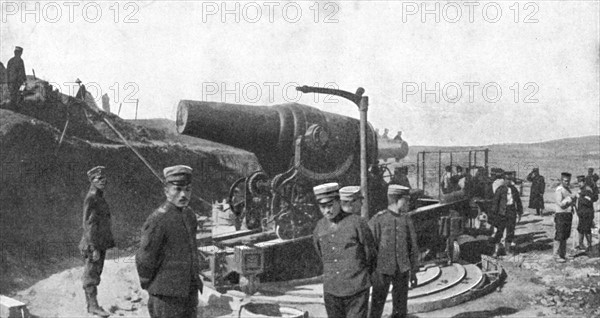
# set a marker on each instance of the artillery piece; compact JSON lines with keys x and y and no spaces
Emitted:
{"x":297,"y":146}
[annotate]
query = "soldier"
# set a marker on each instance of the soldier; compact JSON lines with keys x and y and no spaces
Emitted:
{"x":397,"y":253}
{"x":15,"y":70}
{"x":585,"y":212}
{"x":167,"y":260}
{"x":446,"y":186}
{"x":351,"y":199}
{"x":591,"y":179}
{"x":401,"y":177}
{"x":498,"y":176}
{"x":96,"y":239}
{"x":345,"y":244}
{"x":538,"y":187}
{"x":507,"y":209}
{"x":565,"y":200}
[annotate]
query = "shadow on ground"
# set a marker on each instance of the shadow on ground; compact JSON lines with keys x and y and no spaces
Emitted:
{"x":535,"y":241}
{"x":500,"y":311}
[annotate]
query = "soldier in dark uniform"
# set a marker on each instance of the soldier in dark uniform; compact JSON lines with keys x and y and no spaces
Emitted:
{"x":401,"y":177}
{"x":585,"y":212}
{"x":15,"y":70}
{"x":507,"y":209}
{"x":96,"y":239}
{"x":167,"y":260}
{"x":345,"y":244}
{"x":591,"y":179}
{"x":397,"y":253}
{"x":536,"y":194}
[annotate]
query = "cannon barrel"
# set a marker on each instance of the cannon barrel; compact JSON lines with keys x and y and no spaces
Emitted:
{"x":270,"y":132}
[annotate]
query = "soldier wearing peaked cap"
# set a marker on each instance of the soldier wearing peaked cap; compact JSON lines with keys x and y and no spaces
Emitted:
{"x":351,"y":199}
{"x":538,"y":187}
{"x":15,"y":70}
{"x":167,"y":261}
{"x":507,"y":209}
{"x":96,"y":239}
{"x":345,"y":245}
{"x":563,"y":217}
{"x":585,"y":212}
{"x":397,"y":253}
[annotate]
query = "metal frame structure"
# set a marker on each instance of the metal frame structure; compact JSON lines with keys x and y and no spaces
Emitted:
{"x":421,"y":177}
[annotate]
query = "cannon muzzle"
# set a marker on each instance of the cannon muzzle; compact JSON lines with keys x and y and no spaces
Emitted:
{"x":330,"y":142}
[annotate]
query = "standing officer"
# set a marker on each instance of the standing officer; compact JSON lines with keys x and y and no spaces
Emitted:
{"x":15,"y":70}
{"x":97,"y":238}
{"x":351,"y":199}
{"x":507,"y":208}
{"x":397,"y":255}
{"x":538,"y":187}
{"x":167,"y":260}
{"x":345,"y":244}
{"x":585,"y":212}
{"x":565,"y":200}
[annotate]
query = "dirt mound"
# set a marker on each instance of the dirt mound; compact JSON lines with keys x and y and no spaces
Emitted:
{"x":44,"y":185}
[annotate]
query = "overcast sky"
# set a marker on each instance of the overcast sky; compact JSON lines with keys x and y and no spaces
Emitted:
{"x":163,"y":51}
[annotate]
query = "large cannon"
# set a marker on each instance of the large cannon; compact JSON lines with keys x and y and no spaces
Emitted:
{"x":329,"y":142}
{"x":297,"y":146}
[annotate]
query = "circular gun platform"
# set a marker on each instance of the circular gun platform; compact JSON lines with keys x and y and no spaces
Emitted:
{"x":438,"y":287}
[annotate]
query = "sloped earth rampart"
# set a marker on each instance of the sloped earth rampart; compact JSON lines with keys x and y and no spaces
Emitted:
{"x":43,"y":187}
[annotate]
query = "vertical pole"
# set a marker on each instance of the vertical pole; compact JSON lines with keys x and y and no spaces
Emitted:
{"x":486,"y":158}
{"x":475,"y":158}
{"x":137,"y":101}
{"x":450,"y":162}
{"x":469,"y":159}
{"x":418,"y":171}
{"x":440,"y":173}
{"x":363,"y":108}
{"x":423,"y":172}
{"x":119,"y":113}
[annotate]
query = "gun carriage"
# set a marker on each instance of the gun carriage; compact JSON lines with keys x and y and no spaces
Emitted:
{"x":297,"y":147}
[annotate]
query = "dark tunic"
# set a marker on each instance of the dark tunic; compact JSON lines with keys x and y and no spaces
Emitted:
{"x":167,"y":260}
{"x":585,"y":211}
{"x":96,"y":236}
{"x":16,"y":71}
{"x":397,"y":254}
{"x":348,"y":253}
{"x":96,"y":223}
{"x":536,"y":194}
{"x":396,"y":241}
{"x":504,"y":215}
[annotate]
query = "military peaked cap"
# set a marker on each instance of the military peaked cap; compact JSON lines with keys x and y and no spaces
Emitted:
{"x":350,"y":193}
{"x":95,"y":172}
{"x":327,"y":192}
{"x":178,"y":175}
{"x":396,"y":189}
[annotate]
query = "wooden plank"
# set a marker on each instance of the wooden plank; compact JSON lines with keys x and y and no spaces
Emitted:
{"x":12,"y":308}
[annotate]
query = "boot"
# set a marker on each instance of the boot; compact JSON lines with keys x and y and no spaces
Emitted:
{"x":496,"y":250}
{"x":580,"y":246}
{"x":556,"y":253}
{"x":92,"y":304}
{"x":588,"y":238}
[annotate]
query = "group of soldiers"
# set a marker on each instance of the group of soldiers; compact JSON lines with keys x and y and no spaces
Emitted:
{"x":569,"y":203}
{"x":506,"y":209}
{"x":14,"y":76}
{"x":167,"y":259}
{"x":358,"y":255}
